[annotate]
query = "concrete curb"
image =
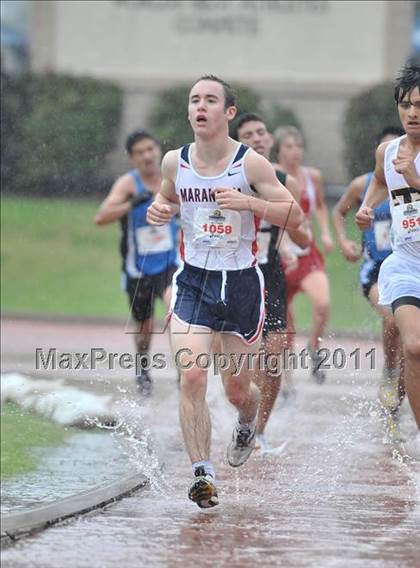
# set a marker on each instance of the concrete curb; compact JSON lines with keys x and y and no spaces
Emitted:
{"x":19,"y":524}
{"x":116,"y":321}
{"x":61,"y":318}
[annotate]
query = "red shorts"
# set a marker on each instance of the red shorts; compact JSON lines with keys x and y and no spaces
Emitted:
{"x":306,"y":264}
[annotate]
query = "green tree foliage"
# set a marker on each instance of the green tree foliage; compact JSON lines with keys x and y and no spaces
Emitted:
{"x":280,"y":116}
{"x":63,"y":128}
{"x":367,"y":114}
{"x":14,"y":101}
{"x":247,"y":99}
{"x":168,"y":118}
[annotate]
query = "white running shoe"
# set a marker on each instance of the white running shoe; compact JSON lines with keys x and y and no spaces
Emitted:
{"x":242,"y":444}
{"x":264,"y":450}
{"x":261,"y":444}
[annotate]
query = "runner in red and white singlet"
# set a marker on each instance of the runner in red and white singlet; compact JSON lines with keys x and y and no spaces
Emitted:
{"x":308,"y":275}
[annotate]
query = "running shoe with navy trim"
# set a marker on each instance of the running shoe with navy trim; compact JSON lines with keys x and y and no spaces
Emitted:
{"x":203,"y":490}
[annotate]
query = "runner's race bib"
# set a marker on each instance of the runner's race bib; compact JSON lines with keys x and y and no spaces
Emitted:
{"x":382,"y":232}
{"x":153,"y":240}
{"x":217,"y":228}
{"x":406,"y":223}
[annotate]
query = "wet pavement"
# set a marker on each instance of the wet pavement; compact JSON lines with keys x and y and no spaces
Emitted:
{"x":85,"y":460}
{"x":337,"y":495}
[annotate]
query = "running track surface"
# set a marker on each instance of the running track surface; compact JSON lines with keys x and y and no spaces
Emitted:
{"x":336,"y":496}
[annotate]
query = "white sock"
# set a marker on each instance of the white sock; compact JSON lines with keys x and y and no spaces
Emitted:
{"x":208,"y":467}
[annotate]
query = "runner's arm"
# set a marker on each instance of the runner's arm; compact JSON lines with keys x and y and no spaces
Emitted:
{"x":288,"y":258}
{"x":276,"y":205}
{"x":302,"y":235}
{"x":321,"y":209}
{"x":166,"y":203}
{"x":293,"y":186}
{"x":350,"y":199}
{"x":405,"y":165}
{"x":376,"y":193}
{"x":118,"y":203}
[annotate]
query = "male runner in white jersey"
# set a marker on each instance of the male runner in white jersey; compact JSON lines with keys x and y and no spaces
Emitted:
{"x":222,"y":188}
{"x":397,"y":173}
{"x":251,"y":129}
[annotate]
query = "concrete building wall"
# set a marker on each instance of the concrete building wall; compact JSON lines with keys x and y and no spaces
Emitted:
{"x":311,"y":56}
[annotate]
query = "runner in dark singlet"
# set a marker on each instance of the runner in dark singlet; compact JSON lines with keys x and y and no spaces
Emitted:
{"x":251,"y":129}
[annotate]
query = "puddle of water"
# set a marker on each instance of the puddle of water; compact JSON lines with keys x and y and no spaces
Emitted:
{"x":87,"y":460}
{"x":84,"y":461}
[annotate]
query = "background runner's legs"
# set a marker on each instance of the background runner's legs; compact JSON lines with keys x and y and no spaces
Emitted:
{"x":269,"y":383}
{"x":390,"y":334}
{"x":316,"y":286}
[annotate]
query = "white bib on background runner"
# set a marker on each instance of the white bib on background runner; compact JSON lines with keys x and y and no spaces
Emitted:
{"x":214,"y":238}
{"x":382,"y":232}
{"x":152,"y":239}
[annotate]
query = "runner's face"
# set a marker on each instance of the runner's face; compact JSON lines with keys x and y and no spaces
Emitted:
{"x":146,"y":156}
{"x":255,"y":134}
{"x":409,"y":111}
{"x":291,"y":152}
{"x":206,"y":109}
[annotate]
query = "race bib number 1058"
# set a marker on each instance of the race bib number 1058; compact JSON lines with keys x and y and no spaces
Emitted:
{"x":217,"y":228}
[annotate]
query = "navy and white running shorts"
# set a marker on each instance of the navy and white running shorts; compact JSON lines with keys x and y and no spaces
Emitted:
{"x":230,"y":301}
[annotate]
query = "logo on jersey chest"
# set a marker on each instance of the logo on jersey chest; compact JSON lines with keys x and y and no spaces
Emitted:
{"x":405,"y":195}
{"x":198,"y":194}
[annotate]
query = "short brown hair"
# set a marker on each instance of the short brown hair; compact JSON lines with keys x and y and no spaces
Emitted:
{"x":230,"y":96}
{"x":283,"y":132}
